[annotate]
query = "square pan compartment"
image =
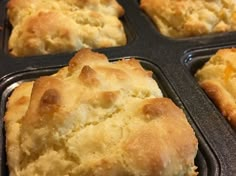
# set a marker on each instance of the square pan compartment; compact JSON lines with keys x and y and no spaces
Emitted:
{"x":206,"y":160}
{"x":195,"y":60}
{"x":5,"y":32}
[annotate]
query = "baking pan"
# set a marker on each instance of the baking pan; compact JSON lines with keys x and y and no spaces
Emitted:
{"x":173,"y":62}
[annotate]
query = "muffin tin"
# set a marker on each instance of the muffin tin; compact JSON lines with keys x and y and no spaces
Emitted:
{"x":173,"y":62}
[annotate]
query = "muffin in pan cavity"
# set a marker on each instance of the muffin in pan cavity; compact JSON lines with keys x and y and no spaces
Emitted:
{"x":47,"y":27}
{"x":218,"y":78}
{"x":187,"y":18}
{"x":97,"y":118}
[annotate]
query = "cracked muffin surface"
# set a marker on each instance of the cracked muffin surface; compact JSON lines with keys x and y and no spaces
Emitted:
{"x":217,"y":77}
{"x":47,"y":27}
{"x":186,"y":18}
{"x":97,"y":118}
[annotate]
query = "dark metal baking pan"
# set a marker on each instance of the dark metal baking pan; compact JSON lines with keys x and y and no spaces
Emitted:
{"x":173,"y":62}
{"x":206,"y":160}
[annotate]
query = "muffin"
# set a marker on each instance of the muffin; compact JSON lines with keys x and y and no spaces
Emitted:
{"x":187,"y":18}
{"x":217,"y":78}
{"x":97,"y":118}
{"x":48,"y":27}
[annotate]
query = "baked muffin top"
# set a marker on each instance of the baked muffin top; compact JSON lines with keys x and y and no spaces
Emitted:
{"x":97,"y":118}
{"x":186,"y":18}
{"x":48,"y":27}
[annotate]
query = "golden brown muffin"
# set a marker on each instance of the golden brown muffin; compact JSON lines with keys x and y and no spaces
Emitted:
{"x":217,"y":77}
{"x":45,"y":27}
{"x":185,"y":18}
{"x":97,"y":118}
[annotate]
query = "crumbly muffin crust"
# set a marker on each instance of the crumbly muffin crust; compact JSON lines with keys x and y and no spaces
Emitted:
{"x":217,"y":78}
{"x":97,"y":118}
{"x":186,"y":18}
{"x":47,"y":27}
